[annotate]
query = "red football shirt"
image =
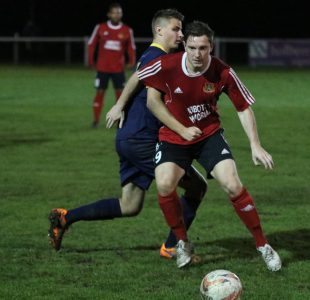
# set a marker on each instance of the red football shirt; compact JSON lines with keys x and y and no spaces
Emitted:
{"x":113,"y":41}
{"x":192,"y":99}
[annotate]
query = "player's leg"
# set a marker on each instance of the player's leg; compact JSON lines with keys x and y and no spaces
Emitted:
{"x":118,"y":80}
{"x":130,"y":204}
{"x":217,"y":159}
{"x":137,"y":165}
{"x":195,"y":187}
{"x":171,"y":162}
{"x":134,"y":183}
{"x":167,"y":176}
{"x":226,"y":173}
{"x":101,"y":83}
{"x":194,"y":184}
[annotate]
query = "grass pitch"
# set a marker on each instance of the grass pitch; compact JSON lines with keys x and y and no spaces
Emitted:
{"x":50,"y":157}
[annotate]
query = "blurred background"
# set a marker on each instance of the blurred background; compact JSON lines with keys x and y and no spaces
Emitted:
{"x":41,"y":31}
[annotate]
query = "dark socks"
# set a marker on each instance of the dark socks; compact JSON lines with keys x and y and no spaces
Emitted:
{"x":105,"y":209}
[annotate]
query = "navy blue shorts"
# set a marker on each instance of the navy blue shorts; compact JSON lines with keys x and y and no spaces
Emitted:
{"x":102,"y":80}
{"x":207,"y":152}
{"x":136,"y":161}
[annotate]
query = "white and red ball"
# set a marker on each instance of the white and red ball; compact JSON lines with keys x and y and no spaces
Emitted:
{"x":221,"y":285}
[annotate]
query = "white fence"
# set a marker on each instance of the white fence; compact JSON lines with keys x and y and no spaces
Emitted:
{"x":17,"y":41}
{"x":284,"y":52}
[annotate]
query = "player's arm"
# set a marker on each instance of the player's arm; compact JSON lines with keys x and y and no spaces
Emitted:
{"x":116,"y":112}
{"x":92,"y":43}
{"x":160,"y":111}
{"x":259,"y":154}
{"x":242,"y":100}
{"x":131,"y":50}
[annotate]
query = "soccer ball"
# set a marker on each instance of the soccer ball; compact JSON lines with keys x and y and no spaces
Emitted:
{"x":220,"y":285}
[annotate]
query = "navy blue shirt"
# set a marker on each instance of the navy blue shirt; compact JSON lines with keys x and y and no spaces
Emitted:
{"x":139,"y":121}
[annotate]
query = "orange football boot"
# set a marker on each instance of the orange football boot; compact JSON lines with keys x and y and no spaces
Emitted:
{"x":168,"y":253}
{"x":58,"y":227}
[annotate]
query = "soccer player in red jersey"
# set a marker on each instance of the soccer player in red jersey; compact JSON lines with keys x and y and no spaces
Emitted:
{"x":112,"y":40}
{"x":191,"y":83}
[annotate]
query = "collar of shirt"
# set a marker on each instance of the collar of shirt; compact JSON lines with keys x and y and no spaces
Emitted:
{"x":158,"y":46}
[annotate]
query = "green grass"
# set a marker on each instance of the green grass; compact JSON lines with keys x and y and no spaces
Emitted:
{"x":50,"y":157}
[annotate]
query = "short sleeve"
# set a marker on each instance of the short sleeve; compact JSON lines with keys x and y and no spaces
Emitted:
{"x":152,"y":75}
{"x":236,"y":90}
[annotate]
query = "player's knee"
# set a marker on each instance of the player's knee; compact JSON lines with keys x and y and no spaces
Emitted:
{"x":131,"y":211}
{"x":131,"y":207}
{"x":165,"y":187}
{"x":233,"y":188}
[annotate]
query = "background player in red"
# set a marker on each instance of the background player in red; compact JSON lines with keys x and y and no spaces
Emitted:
{"x":191,"y":83}
{"x":111,"y":41}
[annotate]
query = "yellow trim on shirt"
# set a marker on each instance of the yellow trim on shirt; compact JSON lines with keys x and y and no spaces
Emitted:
{"x":158,"y":46}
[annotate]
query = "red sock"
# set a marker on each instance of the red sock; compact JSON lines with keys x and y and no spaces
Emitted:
{"x":97,"y":106}
{"x":245,"y":208}
{"x":117,"y":94}
{"x":172,"y":210}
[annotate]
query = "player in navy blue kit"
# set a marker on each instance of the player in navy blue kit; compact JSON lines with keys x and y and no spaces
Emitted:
{"x":135,"y":144}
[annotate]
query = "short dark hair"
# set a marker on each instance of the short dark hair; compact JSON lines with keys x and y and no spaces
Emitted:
{"x":169,"y":13}
{"x":198,"y":28}
{"x":114,"y":5}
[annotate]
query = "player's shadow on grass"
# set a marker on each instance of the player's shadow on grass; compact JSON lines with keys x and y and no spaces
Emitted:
{"x":296,"y":242}
{"x":19,"y":141}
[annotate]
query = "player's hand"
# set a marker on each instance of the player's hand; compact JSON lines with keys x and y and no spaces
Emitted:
{"x":121,"y":120}
{"x":115,"y":114}
{"x":191,"y":133}
{"x":261,"y":157}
